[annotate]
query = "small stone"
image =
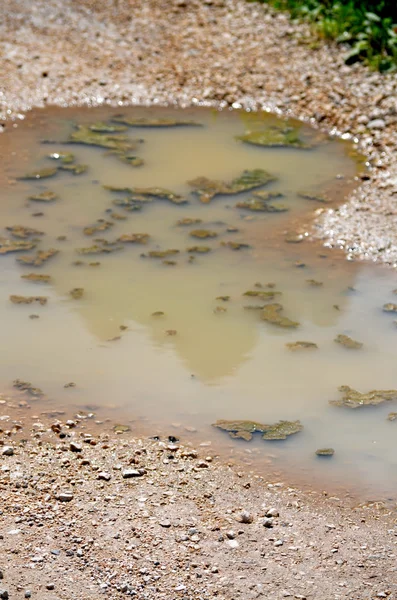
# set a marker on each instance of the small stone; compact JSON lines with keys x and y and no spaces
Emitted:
{"x":74,"y":447}
{"x":376,"y":124}
{"x":268,"y":523}
{"x":325,"y":452}
{"x":104,"y":476}
{"x":202,"y":465}
{"x":230,"y":535}
{"x":3,"y":594}
{"x":128,"y":473}
{"x":278,"y":543}
{"x":50,"y":586}
{"x":166,"y":523}
{"x":272,"y":512}
{"x":245,"y":517}
{"x":7,"y":451}
{"x":28,"y":594}
{"x":65,"y":496}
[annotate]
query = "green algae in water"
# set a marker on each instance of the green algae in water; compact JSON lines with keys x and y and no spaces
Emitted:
{"x":301,"y":346}
{"x":77,"y":293}
{"x":153,"y":122}
{"x":199,"y":249}
{"x":258,"y":205}
{"x":203,"y":233}
{"x":17,"y":299}
{"x":148,"y":194}
{"x":37,"y":277}
{"x":134,"y":238}
{"x":163,"y":253}
{"x":9,"y":246}
{"x":40,"y":174}
{"x":63,"y":157}
{"x":325,"y":452}
{"x":22,"y":232}
{"x":236,"y":245}
{"x":245,"y":429}
{"x":271,"y":314}
{"x":275,"y":137}
{"x":39,"y":258}
{"x":44,"y":197}
{"x":314,"y":197}
{"x":101,"y":127}
{"x":206,"y":189}
{"x":101,"y":225}
{"x":348,"y":342}
{"x":262,"y":294}
{"x":75,"y":169}
{"x":351,"y":398}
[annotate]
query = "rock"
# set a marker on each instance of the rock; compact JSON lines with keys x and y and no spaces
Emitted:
{"x":3,"y":594}
{"x":272,"y":512}
{"x":278,"y":543}
{"x":74,"y":447}
{"x":28,"y":594}
{"x":268,"y":523}
{"x":128,"y":473}
{"x":230,"y":534}
{"x":245,"y":517}
{"x":376,"y":124}
{"x":325,"y":452}
{"x":65,"y":496}
{"x":202,"y":464}
{"x":50,"y":586}
{"x":166,"y":523}
{"x":7,"y":451}
{"x":104,"y":476}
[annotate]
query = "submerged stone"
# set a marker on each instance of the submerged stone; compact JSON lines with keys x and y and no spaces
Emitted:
{"x":77,"y":293}
{"x":26,"y":386}
{"x":390,"y":307}
{"x":266,"y":196}
{"x":149,"y":193}
{"x":134,"y":238}
{"x":153,"y":122}
{"x":392,"y":416}
{"x":40,"y":174}
{"x":117,"y":216}
{"x":130,"y":204}
{"x":100,"y":225}
{"x":245,"y":429}
{"x":206,"y":189}
{"x":39,"y":258}
{"x":223,"y":298}
{"x":15,"y":299}
{"x":162,"y":253}
{"x":271,"y":314}
{"x":7,"y":246}
{"x":203,"y":233}
{"x":188,"y":221}
{"x":235,"y":245}
{"x":314,"y":197}
{"x":199,"y":249}
{"x":121,"y":428}
{"x":354,"y":399}
{"x":325,"y":452}
{"x":170,"y":263}
{"x":63,"y":157}
{"x":294,"y":238}
{"x":301,"y":345}
{"x":39,"y":278}
{"x":275,"y":136}
{"x":75,"y":169}
{"x":348,"y":342}
{"x":158,"y":313}
{"x":43,"y":197}
{"x":127,"y":158}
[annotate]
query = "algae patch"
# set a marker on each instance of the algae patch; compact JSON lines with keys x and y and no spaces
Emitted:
{"x":15,"y":299}
{"x":43,"y":197}
{"x":275,"y":137}
{"x":154,"y":122}
{"x":39,"y":258}
{"x":301,"y":346}
{"x":351,"y":398}
{"x":37,"y":278}
{"x":348,"y":342}
{"x":40,"y":174}
{"x":7,"y":246}
{"x":271,"y":314}
{"x":246,"y":429}
{"x":206,"y":189}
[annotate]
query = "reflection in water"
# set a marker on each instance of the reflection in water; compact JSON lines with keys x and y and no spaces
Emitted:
{"x":221,"y":360}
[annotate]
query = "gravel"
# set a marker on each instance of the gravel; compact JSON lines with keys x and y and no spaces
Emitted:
{"x":225,"y":53}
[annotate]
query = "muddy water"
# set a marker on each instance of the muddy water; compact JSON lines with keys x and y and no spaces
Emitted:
{"x":204,"y":358}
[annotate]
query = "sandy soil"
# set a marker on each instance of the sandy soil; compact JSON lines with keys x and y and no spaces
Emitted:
{"x":86,"y":513}
{"x":222,"y":52}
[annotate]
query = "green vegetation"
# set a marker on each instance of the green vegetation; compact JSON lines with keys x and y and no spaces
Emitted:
{"x":369,"y":26}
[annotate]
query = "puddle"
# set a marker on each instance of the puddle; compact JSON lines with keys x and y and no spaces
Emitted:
{"x":157,"y":328}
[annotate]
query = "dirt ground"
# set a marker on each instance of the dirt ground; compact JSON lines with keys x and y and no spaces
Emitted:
{"x":112,"y":515}
{"x":87,"y":513}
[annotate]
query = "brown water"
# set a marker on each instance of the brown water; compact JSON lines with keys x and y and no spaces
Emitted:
{"x":219,"y":364}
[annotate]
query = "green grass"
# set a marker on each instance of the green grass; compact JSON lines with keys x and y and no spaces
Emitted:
{"x":370,"y":27}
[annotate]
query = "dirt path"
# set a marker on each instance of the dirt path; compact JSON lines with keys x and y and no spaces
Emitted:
{"x":85,"y":513}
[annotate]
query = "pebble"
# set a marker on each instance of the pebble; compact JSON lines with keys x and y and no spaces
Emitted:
{"x":74,"y":447}
{"x":7,"y":451}
{"x":272,"y":512}
{"x":166,"y":523}
{"x":128,"y":473}
{"x":50,"y":586}
{"x":28,"y":594}
{"x":278,"y":543}
{"x":376,"y":124}
{"x":104,"y":476}
{"x":230,"y":535}
{"x":3,"y":594}
{"x":65,"y":496}
{"x":202,"y":464}
{"x":268,"y":523}
{"x":245,"y":517}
